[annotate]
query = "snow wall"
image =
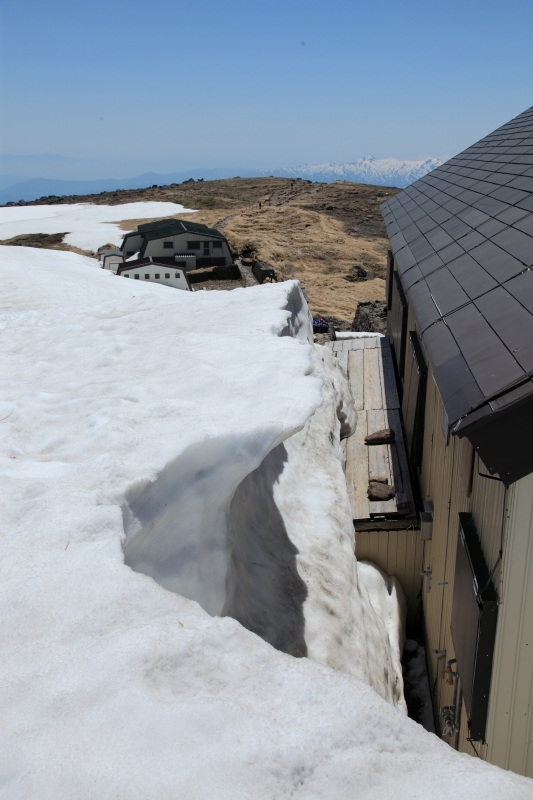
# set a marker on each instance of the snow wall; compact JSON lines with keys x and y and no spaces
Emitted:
{"x":261,"y":530}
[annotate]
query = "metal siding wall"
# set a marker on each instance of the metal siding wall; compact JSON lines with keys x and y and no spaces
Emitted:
{"x":488,"y":500}
{"x":510,"y":724}
{"x":443,"y":482}
{"x":398,"y":553}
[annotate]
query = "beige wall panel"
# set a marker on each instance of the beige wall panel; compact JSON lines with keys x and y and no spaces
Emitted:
{"x":446,"y":481}
{"x":398,"y":553}
{"x":511,"y":714}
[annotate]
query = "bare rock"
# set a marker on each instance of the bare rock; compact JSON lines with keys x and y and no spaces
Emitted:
{"x":371,"y":316}
{"x":385,"y":436}
{"x":380,"y":491}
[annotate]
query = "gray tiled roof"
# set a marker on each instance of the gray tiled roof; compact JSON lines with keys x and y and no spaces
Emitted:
{"x":462,"y":238}
{"x":170,"y":227}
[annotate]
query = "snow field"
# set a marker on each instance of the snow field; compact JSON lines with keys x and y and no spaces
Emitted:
{"x":116,"y":406}
{"x":88,"y":226}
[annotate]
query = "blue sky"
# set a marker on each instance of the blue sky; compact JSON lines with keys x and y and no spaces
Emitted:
{"x":168,"y":85}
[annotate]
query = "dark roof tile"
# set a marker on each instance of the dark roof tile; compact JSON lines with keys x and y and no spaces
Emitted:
{"x":491,"y":363}
{"x":456,"y":227}
{"x":451,"y":252}
{"x":404,"y":259}
{"x":424,"y":308}
{"x":430,"y":264}
{"x":458,"y":388}
{"x":512,"y":322}
{"x":519,"y":244}
{"x":473,"y":217}
{"x":473,"y":278}
{"x":471,"y":240}
{"x":496,"y":261}
{"x":525,"y":224}
{"x":521,"y":288}
{"x":446,"y":291}
{"x":438,"y":239}
{"x":421,"y":248}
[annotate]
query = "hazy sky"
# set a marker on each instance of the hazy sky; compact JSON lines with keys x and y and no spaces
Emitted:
{"x":168,"y":84}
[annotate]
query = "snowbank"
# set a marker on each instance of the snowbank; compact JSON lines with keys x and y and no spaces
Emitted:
{"x":88,"y":226}
{"x":114,"y":687}
{"x":356,"y":335}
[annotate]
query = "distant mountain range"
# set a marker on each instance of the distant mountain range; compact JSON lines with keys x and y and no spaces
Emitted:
{"x":380,"y":172}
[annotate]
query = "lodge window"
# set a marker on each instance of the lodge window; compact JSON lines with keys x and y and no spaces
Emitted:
{"x":193,"y":245}
{"x":167,"y":274}
{"x":168,"y":245}
{"x":146,"y":277}
{"x":217,"y":245}
{"x":126,"y":276}
{"x":473,"y":625}
{"x":136,"y":277}
{"x":157,"y":276}
{"x":414,"y":399}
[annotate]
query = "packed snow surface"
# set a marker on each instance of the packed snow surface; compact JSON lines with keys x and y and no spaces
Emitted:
{"x":118,"y":409}
{"x":88,"y":226}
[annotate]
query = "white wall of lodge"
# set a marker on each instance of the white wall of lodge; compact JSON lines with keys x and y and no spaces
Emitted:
{"x":201,"y":245}
{"x":155,"y":273}
{"x":112,"y":262}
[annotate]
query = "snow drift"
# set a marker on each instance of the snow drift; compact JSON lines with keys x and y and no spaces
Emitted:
{"x":87,"y":226}
{"x":113,"y":686}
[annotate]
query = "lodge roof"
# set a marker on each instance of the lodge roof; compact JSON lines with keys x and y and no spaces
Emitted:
{"x":172,"y":227}
{"x":462,"y":239}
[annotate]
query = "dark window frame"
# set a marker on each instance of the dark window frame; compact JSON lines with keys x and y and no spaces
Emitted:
{"x":168,"y":245}
{"x":193,"y":245}
{"x":397,"y":324}
{"x":414,"y":400}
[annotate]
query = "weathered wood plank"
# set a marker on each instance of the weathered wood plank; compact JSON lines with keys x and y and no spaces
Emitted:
{"x":355,"y":344}
{"x":372,"y":381}
{"x":356,"y":377}
{"x":379,"y":464}
{"x":357,"y":469}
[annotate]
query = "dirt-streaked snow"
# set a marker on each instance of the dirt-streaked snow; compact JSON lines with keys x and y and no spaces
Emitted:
{"x":88,"y":226}
{"x":115,"y":398}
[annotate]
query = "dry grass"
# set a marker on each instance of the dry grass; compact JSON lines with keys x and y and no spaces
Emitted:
{"x":316,"y":233}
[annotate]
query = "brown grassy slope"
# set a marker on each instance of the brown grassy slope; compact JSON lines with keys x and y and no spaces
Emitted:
{"x":317,"y":233}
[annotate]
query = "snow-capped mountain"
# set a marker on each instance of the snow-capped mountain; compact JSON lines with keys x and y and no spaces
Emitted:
{"x":378,"y":171}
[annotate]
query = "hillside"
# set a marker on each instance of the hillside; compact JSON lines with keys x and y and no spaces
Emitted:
{"x":322,"y":234}
{"x":377,"y":171}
